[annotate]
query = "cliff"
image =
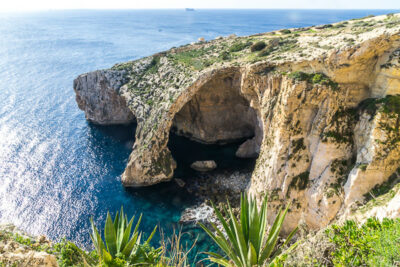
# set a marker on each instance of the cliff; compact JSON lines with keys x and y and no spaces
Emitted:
{"x":319,"y":107}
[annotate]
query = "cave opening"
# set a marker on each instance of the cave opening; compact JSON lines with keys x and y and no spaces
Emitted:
{"x":217,"y":124}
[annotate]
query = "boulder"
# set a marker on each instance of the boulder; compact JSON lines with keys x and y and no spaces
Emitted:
{"x":204,"y":166}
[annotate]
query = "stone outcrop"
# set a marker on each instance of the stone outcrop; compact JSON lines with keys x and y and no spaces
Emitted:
{"x":318,"y":106}
{"x":13,"y":253}
{"x":97,"y":95}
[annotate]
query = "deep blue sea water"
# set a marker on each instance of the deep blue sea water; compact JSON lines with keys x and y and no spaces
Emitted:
{"x":57,"y":170}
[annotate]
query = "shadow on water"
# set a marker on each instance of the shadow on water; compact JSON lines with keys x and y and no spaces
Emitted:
{"x":186,"y":151}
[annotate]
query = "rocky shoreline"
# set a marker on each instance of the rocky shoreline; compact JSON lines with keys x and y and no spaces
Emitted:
{"x":216,"y":187}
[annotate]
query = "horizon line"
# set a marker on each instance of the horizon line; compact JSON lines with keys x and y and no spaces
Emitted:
{"x":183,"y":8}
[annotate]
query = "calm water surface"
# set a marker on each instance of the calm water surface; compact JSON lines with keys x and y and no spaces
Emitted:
{"x":56,"y":170}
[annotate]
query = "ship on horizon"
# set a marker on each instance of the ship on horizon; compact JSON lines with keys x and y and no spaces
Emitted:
{"x":189,"y":9}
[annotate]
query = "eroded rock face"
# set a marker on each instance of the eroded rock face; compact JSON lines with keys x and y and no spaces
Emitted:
{"x":97,"y":95}
{"x":13,"y":253}
{"x":307,"y":116}
{"x":217,"y":113}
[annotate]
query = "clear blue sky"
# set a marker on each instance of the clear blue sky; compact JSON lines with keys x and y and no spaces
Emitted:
{"x":21,"y":5}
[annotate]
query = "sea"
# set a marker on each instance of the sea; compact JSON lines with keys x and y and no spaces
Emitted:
{"x":56,"y":169}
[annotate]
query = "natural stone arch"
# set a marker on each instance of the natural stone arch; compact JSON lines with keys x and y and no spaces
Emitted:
{"x":155,"y":164}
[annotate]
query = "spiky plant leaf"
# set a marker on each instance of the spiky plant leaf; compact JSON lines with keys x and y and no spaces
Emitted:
{"x":110,"y":236}
{"x":245,"y":242}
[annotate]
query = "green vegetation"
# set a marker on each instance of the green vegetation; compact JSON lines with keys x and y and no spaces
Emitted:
{"x":374,"y":243}
{"x":386,"y":187}
{"x":68,"y":254}
{"x":300,"y":181}
{"x":236,"y":47}
{"x":260,"y":45}
{"x":363,"y":166}
{"x":314,"y":78}
{"x":225,"y":55}
{"x":154,"y":64}
{"x":342,"y":126}
{"x":285,"y":31}
{"x":195,"y":58}
{"x":120,"y":247}
{"x":246,"y":242}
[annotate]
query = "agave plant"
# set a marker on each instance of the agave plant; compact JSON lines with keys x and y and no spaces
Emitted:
{"x":119,"y":244}
{"x":246,"y":242}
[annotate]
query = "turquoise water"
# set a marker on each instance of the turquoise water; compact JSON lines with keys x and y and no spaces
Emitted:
{"x":57,"y":170}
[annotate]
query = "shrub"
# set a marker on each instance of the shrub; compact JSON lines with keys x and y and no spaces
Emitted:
{"x":119,"y":246}
{"x":265,"y":52}
{"x":236,"y":47}
{"x":374,"y":243}
{"x":314,"y":78}
{"x":285,"y":31}
{"x":68,"y":254}
{"x":225,"y":55}
{"x":363,"y":166}
{"x":246,"y":242}
{"x":258,"y":46}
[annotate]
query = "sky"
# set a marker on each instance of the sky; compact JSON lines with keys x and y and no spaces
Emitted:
{"x":28,"y":5}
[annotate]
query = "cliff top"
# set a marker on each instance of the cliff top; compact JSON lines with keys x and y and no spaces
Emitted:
{"x":179,"y":67}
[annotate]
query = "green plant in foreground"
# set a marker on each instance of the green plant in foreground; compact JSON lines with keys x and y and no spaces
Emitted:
{"x":120,"y":247}
{"x":246,"y":242}
{"x":69,"y":254}
{"x":374,"y":243}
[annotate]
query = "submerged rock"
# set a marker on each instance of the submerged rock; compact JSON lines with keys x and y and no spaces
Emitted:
{"x":204,"y":166}
{"x":179,"y":182}
{"x":200,"y":213}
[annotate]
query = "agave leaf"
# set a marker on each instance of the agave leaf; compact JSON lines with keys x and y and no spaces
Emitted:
{"x":219,"y":259}
{"x":120,"y":230}
{"x":96,"y":238}
{"x":274,"y":234}
{"x":107,"y":258}
{"x":127,"y":234}
{"x":129,"y":246}
{"x":227,"y":228}
{"x":116,"y":220}
{"x":244,"y":219}
{"x":151,"y":235}
{"x":110,"y":237}
{"x":254,"y":232}
{"x":137,"y":224}
{"x":263,"y":223}
{"x":221,"y":241}
{"x":290,"y":236}
{"x":252,"y":255}
{"x":238,"y":234}
{"x":223,"y":262}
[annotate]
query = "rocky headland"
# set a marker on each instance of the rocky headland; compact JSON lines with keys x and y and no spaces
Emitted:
{"x":319,"y":108}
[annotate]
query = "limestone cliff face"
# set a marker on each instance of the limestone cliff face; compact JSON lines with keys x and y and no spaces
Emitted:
{"x":97,"y":95}
{"x":319,"y":107}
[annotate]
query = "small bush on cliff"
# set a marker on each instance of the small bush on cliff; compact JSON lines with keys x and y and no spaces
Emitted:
{"x":374,"y":243}
{"x":258,"y":46}
{"x":236,"y":47}
{"x":285,"y":31}
{"x":69,"y":254}
{"x":120,"y":247}
{"x":314,"y":78}
{"x":246,"y":242}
